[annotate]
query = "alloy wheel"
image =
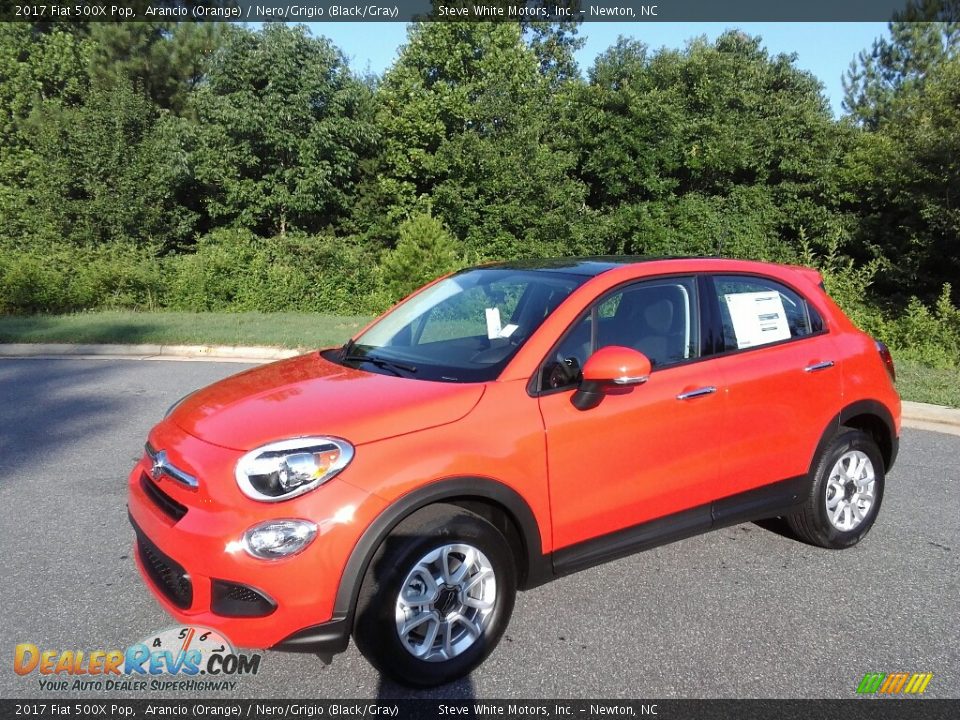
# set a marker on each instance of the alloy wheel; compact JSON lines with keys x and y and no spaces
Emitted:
{"x":850,"y":490}
{"x":445,"y":602}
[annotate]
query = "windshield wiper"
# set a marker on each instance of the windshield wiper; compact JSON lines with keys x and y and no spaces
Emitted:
{"x":382,"y":363}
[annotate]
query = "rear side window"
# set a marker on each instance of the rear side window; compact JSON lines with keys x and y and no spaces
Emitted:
{"x":759,"y":311}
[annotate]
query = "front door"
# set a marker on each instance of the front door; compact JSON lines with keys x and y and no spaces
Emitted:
{"x":646,"y":451}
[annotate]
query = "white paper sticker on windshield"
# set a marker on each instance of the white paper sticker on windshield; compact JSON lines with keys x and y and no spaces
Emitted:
{"x":758,"y":318}
{"x":493,"y":323}
{"x":508,"y":330}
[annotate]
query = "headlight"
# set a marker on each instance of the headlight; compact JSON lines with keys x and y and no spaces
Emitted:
{"x":286,"y":469}
{"x":278,"y":538}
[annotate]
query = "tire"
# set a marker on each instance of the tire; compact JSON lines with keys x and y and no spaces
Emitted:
{"x":843,"y":502}
{"x":407,"y":639}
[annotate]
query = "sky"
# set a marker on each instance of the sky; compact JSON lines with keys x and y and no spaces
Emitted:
{"x":825,"y":49}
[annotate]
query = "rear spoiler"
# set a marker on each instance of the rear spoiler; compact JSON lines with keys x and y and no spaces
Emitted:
{"x":810,"y":275}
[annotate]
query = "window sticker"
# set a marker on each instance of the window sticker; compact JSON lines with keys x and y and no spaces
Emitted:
{"x":758,"y":318}
{"x":494,"y":328}
{"x":493,"y":323}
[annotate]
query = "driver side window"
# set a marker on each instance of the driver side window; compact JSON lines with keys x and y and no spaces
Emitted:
{"x":660,"y":318}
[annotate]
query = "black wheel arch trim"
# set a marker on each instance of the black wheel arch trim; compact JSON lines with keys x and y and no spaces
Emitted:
{"x":856,"y":409}
{"x":538,"y":566}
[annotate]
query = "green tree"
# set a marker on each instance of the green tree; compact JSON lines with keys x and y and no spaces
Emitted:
{"x":37,"y":69}
{"x":425,"y":251}
{"x":284,"y":125}
{"x":921,"y":40}
{"x":554,"y":45}
{"x":903,"y":182}
{"x":465,"y":119}
{"x":165,"y":61}
{"x":901,"y":172}
{"x":719,"y":148}
{"x":108,"y":172}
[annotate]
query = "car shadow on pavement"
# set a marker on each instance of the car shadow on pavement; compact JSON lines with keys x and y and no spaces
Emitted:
{"x":45,"y":408}
{"x":461,"y":689}
{"x":776,"y":525}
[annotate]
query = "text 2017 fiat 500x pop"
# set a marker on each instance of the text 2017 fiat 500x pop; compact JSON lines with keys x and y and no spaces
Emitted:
{"x":499,"y":428}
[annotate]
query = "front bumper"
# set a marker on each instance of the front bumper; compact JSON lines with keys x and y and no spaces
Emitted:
{"x":189,"y":555}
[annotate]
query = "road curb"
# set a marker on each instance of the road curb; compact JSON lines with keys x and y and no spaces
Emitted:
{"x":220,"y":353}
{"x":922,"y":416}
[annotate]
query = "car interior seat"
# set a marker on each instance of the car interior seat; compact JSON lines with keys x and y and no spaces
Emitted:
{"x":651,"y":320}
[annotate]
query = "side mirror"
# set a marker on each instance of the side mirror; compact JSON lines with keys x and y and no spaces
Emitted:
{"x":610,"y":367}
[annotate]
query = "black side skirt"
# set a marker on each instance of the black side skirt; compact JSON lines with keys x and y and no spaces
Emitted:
{"x":767,"y":501}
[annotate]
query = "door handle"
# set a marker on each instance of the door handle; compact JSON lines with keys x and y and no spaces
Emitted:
{"x":699,"y":392}
{"x":818,"y":366}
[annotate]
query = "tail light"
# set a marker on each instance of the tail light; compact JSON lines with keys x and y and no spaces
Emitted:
{"x":887,"y":360}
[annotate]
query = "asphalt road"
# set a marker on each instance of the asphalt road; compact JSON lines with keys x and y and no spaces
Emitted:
{"x":742,"y":612}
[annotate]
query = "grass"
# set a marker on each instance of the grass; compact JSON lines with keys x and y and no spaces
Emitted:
{"x":289,"y":330}
{"x":930,"y":385}
{"x":305,"y":330}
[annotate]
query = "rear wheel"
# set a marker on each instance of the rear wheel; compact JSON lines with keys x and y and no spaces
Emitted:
{"x":436,"y":598}
{"x":846,"y":492}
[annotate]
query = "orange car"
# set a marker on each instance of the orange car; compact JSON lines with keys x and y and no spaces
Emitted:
{"x":499,"y":428}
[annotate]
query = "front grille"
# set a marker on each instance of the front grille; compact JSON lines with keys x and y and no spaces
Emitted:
{"x":170,"y":507}
{"x":166,"y":573}
{"x":235,"y":600}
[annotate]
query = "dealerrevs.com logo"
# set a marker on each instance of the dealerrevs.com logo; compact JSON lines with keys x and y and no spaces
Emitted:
{"x":177,"y":659}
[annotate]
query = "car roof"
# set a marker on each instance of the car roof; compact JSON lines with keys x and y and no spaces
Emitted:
{"x":593,"y":266}
{"x":588,"y":266}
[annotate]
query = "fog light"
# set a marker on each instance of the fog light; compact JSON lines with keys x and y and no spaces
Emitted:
{"x":278,"y":538}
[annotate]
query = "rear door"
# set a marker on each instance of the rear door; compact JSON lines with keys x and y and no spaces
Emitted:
{"x":782,"y":381}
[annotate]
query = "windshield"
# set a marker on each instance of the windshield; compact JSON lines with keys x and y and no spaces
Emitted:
{"x":465,"y":328}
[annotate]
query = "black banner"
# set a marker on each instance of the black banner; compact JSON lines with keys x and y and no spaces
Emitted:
{"x":472,"y":10}
{"x":860,"y":709}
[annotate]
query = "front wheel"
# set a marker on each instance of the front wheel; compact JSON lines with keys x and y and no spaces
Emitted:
{"x":436,"y":598}
{"x":845,"y":494}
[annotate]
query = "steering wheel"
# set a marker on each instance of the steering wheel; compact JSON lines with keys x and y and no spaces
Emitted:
{"x":562,"y":372}
{"x":498,"y":349}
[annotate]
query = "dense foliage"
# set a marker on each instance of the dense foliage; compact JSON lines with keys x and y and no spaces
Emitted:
{"x":215,"y":167}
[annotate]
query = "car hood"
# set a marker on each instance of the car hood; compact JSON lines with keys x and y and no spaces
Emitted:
{"x":309,"y":395}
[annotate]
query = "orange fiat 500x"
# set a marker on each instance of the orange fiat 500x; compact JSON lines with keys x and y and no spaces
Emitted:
{"x":501,"y":427}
